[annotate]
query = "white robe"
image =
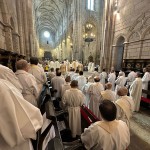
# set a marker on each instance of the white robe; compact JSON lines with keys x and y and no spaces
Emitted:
{"x":103,"y":135}
{"x":9,"y":75}
{"x":145,"y":80}
{"x":136,"y":92}
{"x":57,"y":83}
{"x":89,"y":66}
{"x":51,"y":65}
{"x":39,"y":75}
{"x":56,"y":65}
{"x":81,"y":81}
{"x":74,"y":99}
{"x":111,"y":79}
{"x":85,"y":92}
{"x":109,"y":95}
{"x":95,"y":97}
{"x":125,"y":107}
{"x":65,"y":87}
{"x":131,"y":77}
{"x":120,"y":82}
{"x":19,"y":120}
{"x":30,"y":88}
{"x":103,"y":77}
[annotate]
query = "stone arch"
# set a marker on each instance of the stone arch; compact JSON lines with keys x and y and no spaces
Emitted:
{"x":145,"y":33}
{"x":133,"y":36}
{"x":120,"y":35}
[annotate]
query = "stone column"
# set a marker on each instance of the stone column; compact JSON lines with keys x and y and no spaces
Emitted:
{"x":77,"y":29}
{"x":16,"y":46}
{"x":30,"y":27}
{"x":8,"y":37}
{"x":20,"y":30}
{"x":26,"y":31}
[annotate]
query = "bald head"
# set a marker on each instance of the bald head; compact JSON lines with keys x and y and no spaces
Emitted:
{"x":96,"y":78}
{"x":122,"y":91}
{"x":108,"y":86}
{"x":74,"y":84}
{"x":22,"y":65}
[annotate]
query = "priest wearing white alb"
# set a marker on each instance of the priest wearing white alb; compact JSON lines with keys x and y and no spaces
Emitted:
{"x":19,"y":120}
{"x":145,"y":80}
{"x":95,"y":96}
{"x":112,"y":78}
{"x":73,"y":99}
{"x":81,"y":80}
{"x":85,"y":90}
{"x":57,"y":83}
{"x":125,"y":106}
{"x":120,"y":82}
{"x":37,"y":72}
{"x":9,"y":75}
{"x":30,"y":88}
{"x":136,"y":91}
{"x":103,"y":77}
{"x":108,"y":134}
{"x":108,"y":93}
{"x":65,"y":86}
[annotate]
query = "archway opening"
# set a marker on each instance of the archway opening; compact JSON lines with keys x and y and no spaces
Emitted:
{"x":119,"y":52}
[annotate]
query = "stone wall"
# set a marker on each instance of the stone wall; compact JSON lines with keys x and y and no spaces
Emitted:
{"x":132,"y":22}
{"x":16,"y":27}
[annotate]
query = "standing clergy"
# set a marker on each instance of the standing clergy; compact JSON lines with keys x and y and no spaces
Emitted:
{"x":136,"y":91}
{"x":81,"y":80}
{"x":51,"y":64}
{"x":131,"y":78}
{"x":57,"y":83}
{"x":112,"y":78}
{"x":85,"y":90}
{"x":103,"y":77}
{"x":30,"y":88}
{"x":145,"y":80}
{"x":125,"y":106}
{"x":95,"y":96}
{"x":19,"y":120}
{"x":73,"y":99}
{"x":56,"y":64}
{"x":9,"y":75}
{"x":120,"y":82}
{"x":108,"y":93}
{"x":63,"y":69}
{"x":65,"y":86}
{"x":108,"y":134}
{"x":37,"y":72}
{"x":80,"y":66}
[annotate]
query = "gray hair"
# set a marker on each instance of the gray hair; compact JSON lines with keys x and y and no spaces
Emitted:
{"x":21,"y":64}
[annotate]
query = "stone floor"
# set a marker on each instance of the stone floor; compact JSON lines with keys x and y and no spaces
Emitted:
{"x":140,"y":130}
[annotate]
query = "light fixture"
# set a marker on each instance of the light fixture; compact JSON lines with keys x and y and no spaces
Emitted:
{"x":89,"y":36}
{"x":46,"y":34}
{"x":89,"y":26}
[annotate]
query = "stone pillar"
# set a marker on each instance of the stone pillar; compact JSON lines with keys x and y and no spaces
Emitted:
{"x":77,"y":29}
{"x":30,"y":27}
{"x":16,"y":46}
{"x":26,"y":31}
{"x":20,"y":30}
{"x":8,"y":37}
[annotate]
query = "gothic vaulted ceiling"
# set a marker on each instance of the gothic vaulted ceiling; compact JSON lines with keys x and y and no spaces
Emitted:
{"x":49,"y":13}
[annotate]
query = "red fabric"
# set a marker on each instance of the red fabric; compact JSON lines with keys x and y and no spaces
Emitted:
{"x":85,"y":116}
{"x":145,"y":99}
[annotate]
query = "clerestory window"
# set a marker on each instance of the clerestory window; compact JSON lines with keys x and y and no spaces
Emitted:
{"x":91,"y":5}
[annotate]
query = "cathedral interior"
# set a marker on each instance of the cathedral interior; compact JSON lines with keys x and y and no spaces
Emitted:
{"x":110,"y":33}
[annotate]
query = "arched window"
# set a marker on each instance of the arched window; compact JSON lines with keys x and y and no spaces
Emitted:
{"x":91,"y":5}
